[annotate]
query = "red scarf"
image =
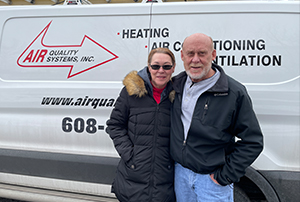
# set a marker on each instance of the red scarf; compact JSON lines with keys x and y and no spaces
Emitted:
{"x":157,"y":92}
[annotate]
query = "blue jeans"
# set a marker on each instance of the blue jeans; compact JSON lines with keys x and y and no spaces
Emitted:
{"x":194,"y":187}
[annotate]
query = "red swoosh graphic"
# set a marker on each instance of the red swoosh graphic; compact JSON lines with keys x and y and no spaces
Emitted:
{"x":39,"y":41}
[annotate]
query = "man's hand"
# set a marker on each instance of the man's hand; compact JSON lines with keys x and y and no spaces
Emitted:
{"x":213,"y":179}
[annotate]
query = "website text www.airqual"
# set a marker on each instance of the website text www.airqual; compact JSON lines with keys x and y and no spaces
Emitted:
{"x":86,"y":101}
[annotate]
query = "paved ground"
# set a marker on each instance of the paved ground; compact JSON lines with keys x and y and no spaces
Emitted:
{"x":9,"y":200}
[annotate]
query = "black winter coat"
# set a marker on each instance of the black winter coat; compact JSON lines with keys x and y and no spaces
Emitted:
{"x":221,"y":114}
{"x":140,"y":130}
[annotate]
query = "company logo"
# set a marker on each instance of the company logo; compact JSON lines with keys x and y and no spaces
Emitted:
{"x":88,"y":55}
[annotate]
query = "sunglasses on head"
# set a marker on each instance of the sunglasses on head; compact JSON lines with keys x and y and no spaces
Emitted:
{"x":165,"y":67}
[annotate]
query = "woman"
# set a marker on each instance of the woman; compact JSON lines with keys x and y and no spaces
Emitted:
{"x":140,"y":129}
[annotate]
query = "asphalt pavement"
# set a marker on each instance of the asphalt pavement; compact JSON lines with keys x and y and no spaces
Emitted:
{"x":9,"y":200}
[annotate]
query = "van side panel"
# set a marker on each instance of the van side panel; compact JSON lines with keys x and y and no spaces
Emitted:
{"x":61,"y":71}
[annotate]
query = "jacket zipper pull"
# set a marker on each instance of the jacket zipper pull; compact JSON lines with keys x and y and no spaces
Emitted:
{"x":205,"y":109}
{"x":206,"y":104}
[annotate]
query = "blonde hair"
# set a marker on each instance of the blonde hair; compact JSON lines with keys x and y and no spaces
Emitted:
{"x":161,"y":50}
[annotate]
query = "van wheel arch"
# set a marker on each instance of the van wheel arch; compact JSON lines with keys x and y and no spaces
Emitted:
{"x":254,"y":184}
{"x":240,"y":195}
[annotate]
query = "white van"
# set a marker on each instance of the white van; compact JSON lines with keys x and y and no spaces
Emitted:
{"x":61,"y":70}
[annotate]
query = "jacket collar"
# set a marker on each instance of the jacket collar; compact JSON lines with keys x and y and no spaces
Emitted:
{"x":221,"y":85}
{"x":145,"y":75}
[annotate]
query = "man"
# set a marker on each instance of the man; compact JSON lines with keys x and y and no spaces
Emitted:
{"x":210,"y":110}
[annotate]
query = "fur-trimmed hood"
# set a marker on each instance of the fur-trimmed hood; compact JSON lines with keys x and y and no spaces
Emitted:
{"x":134,"y":84}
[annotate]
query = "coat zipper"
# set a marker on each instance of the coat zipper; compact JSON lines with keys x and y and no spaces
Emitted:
{"x":205,"y":109}
{"x":153,"y":153}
